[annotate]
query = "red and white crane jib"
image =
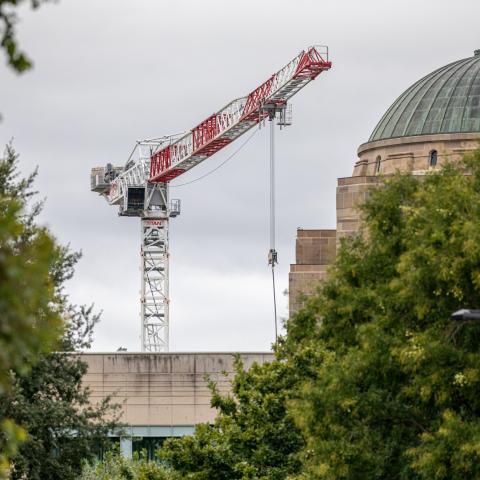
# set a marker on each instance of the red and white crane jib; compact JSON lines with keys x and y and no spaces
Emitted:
{"x":237,"y":117}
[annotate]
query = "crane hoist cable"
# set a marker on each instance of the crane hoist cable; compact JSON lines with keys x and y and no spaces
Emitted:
{"x":272,"y":254}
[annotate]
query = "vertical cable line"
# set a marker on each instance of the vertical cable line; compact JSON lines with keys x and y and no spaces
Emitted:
{"x":272,"y":185}
{"x":274,"y":304}
{"x":272,"y":254}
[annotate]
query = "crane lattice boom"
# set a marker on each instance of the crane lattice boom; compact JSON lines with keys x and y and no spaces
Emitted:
{"x":237,"y":117}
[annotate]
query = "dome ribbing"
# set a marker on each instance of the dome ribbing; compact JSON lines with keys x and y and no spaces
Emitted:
{"x":445,"y":101}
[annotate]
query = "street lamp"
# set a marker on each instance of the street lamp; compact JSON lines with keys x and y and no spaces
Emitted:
{"x":465,"y":315}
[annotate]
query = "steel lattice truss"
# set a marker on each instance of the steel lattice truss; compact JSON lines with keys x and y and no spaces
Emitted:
{"x":237,"y":117}
{"x":154,"y":293}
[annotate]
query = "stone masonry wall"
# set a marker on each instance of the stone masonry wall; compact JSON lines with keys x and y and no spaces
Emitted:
{"x":351,"y":192}
{"x":315,"y":250}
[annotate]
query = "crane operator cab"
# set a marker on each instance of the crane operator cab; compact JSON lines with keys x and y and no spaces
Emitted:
{"x":135,"y":200}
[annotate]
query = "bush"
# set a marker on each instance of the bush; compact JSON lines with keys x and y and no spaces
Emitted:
{"x":116,"y":467}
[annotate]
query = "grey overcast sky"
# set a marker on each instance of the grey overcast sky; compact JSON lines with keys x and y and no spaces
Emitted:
{"x":109,"y":72}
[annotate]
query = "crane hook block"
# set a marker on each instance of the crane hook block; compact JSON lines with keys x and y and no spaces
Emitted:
{"x":272,"y":257}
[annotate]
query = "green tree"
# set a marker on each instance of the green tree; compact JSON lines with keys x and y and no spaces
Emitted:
{"x":30,"y":321}
{"x":30,"y":260}
{"x":64,"y":428}
{"x":116,"y":467}
{"x":41,"y":391}
{"x":395,"y":394}
{"x":252,"y":437}
{"x":17,"y":60}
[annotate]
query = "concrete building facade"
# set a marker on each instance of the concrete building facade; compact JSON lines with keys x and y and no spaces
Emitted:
{"x":435,"y":120}
{"x":160,"y":395}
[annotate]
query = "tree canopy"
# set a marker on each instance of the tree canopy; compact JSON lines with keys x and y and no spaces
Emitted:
{"x":47,"y":424}
{"x":252,"y":437}
{"x":31,"y":271}
{"x":116,"y":467}
{"x":395,"y":395}
{"x":30,"y":318}
{"x":17,"y":60}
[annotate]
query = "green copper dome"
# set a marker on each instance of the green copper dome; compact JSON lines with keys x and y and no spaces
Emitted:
{"x":445,"y":101}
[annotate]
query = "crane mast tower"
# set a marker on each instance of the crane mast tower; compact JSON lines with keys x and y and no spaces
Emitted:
{"x":140,"y":188}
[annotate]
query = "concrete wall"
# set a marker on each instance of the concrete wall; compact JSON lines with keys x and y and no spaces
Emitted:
{"x":163,"y":391}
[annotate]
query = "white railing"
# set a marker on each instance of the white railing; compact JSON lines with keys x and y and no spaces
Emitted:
{"x":283,"y":76}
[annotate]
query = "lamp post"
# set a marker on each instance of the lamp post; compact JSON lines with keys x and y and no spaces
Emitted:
{"x":465,"y":315}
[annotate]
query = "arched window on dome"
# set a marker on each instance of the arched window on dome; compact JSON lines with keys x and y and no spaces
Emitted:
{"x":432,"y":161}
{"x":378,"y":161}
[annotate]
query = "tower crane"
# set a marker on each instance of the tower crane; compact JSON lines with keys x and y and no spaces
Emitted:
{"x":140,"y":188}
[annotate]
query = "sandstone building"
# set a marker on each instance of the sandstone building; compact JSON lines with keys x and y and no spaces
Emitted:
{"x":437,"y":118}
